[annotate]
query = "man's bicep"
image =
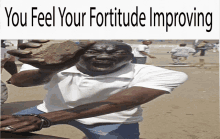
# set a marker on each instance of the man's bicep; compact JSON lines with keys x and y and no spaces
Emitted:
{"x":146,"y":91}
{"x":135,"y":96}
{"x":165,"y":80}
{"x":143,"y":95}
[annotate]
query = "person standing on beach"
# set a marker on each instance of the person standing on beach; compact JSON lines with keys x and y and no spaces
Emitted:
{"x":7,"y":63}
{"x":181,"y":52}
{"x":216,"y":47}
{"x":99,"y":92}
{"x":202,"y":46}
{"x":141,"y":52}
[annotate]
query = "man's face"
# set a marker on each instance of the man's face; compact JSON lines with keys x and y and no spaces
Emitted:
{"x":105,"y":57}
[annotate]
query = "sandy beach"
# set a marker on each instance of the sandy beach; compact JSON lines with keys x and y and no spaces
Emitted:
{"x":191,"y":111}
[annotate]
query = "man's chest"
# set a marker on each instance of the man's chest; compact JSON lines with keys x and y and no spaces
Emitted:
{"x":78,"y":87}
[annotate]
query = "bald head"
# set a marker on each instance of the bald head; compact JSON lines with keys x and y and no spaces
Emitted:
{"x":116,"y":44}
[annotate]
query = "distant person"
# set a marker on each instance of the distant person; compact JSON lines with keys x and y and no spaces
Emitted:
{"x":4,"y":90}
{"x":7,"y":62}
{"x":216,"y":47}
{"x":141,"y":52}
{"x":202,"y":46}
{"x":181,"y":52}
{"x":3,"y":44}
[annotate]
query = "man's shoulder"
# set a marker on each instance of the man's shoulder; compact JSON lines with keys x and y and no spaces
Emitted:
{"x":151,"y":69}
{"x":145,"y":68}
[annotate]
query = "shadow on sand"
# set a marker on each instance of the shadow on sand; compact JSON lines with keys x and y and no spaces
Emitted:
{"x":10,"y":108}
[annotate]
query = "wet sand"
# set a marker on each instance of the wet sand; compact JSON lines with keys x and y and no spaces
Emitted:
{"x":191,"y":111}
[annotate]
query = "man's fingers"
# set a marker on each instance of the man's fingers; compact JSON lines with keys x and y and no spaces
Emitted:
{"x":3,"y":117}
{"x":8,"y":121}
{"x":40,"y":41}
{"x":87,"y":44}
{"x":25,"y":126}
{"x":29,"y":45}
{"x":29,"y":128}
{"x":20,"y":53}
{"x":21,"y":127}
{"x":32,"y":44}
{"x":22,"y":124}
{"x":32,"y":60}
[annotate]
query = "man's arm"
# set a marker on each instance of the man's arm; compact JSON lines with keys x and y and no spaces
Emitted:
{"x":174,"y":50}
{"x":147,"y":54}
{"x":191,"y":50}
{"x":123,"y":100}
{"x":31,"y":78}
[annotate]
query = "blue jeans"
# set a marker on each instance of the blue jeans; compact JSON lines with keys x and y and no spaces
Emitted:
{"x":97,"y":131}
{"x":139,"y":60}
{"x":203,"y":51}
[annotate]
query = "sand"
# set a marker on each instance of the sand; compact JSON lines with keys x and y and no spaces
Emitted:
{"x":191,"y":111}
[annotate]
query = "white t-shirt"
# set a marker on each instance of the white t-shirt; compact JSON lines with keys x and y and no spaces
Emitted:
{"x":182,"y":51}
{"x":70,"y":88}
{"x":140,"y":47}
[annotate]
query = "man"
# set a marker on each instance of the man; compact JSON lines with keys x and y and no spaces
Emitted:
{"x":216,"y":47}
{"x":181,"y":52}
{"x":4,"y":89}
{"x":100,"y":94}
{"x":141,"y":52}
{"x":202,"y":46}
{"x":7,"y":63}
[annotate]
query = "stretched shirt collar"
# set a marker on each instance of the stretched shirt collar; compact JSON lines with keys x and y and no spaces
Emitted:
{"x":125,"y":72}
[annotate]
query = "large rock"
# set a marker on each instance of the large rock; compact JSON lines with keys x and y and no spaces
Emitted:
{"x":58,"y":51}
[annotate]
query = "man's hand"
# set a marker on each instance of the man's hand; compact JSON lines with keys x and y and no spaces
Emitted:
{"x":32,"y":44}
{"x":46,"y":70}
{"x":152,"y":56}
{"x":18,"y":124}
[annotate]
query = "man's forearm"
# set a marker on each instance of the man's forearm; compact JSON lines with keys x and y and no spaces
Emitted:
{"x":30,"y":78}
{"x":123,"y":100}
{"x":145,"y":53}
